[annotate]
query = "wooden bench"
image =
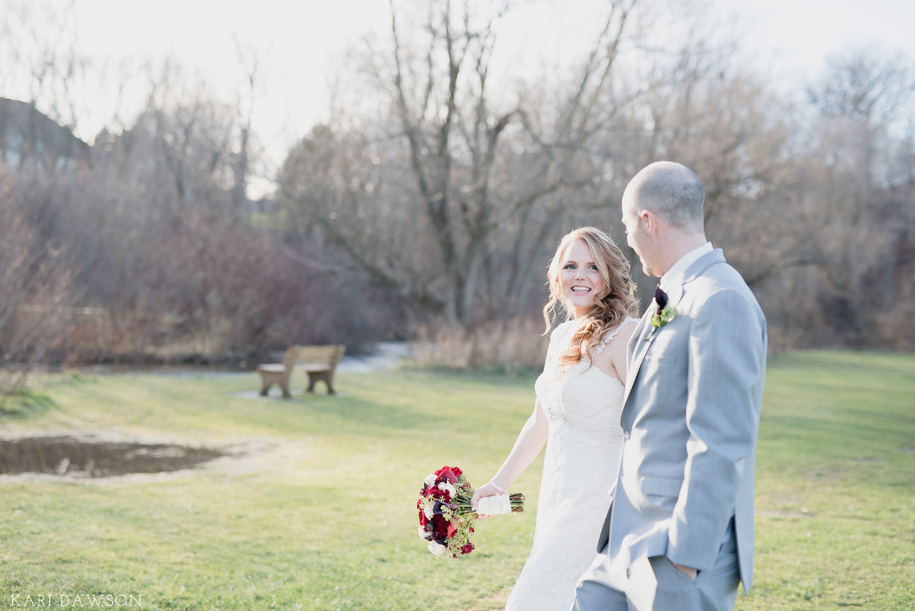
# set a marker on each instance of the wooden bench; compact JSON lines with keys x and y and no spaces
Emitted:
{"x":319,"y":362}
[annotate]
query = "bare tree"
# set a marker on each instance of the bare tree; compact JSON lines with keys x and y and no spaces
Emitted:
{"x":479,"y":177}
{"x":863,"y":97}
{"x":35,"y":289}
{"x":864,"y":104}
{"x":39,"y":58}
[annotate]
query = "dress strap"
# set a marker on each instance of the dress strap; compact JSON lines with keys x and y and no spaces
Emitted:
{"x":611,"y":334}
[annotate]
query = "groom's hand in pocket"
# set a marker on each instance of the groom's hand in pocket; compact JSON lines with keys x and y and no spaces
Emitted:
{"x":686,"y":570}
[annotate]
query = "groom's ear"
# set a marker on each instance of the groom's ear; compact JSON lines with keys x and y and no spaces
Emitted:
{"x":650,"y":219}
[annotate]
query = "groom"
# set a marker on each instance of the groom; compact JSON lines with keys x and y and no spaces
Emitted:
{"x":679,"y":534}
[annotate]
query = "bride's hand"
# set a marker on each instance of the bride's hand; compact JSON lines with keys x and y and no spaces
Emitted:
{"x":485,"y":490}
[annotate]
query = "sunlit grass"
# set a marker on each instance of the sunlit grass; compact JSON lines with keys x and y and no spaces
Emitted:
{"x":319,"y":513}
{"x":836,"y":483}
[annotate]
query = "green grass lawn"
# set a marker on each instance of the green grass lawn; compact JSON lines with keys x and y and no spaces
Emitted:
{"x":319,"y":510}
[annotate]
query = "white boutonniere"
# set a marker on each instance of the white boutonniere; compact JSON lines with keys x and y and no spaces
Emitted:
{"x":663,"y":315}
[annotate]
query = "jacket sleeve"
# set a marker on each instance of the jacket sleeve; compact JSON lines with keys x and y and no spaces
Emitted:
{"x":725,"y":371}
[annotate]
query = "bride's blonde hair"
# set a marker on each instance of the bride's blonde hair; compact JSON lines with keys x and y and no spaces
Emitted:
{"x":612,"y":304}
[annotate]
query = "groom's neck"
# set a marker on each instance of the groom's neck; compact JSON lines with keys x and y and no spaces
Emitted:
{"x":676,"y":245}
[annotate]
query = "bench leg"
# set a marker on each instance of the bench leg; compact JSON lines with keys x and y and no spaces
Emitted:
{"x":265,"y":386}
{"x":322,"y":376}
{"x":285,"y":386}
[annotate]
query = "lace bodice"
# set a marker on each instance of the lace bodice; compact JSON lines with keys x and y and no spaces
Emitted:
{"x":584,"y":396}
{"x":583,"y":407}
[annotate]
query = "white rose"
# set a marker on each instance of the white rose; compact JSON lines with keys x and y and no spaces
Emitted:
{"x":430,"y":479}
{"x":423,"y":533}
{"x":428,"y":511}
{"x":446,"y":487}
{"x":435,"y":548}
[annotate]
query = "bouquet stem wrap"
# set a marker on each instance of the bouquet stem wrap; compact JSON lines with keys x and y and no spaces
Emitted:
{"x":494,"y":505}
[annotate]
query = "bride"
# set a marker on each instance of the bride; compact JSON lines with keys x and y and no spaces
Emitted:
{"x":577,"y":415}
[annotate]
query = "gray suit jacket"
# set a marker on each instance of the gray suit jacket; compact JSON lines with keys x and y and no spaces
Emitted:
{"x":690,"y":420}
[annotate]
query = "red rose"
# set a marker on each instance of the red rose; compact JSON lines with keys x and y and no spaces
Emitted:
{"x":447,"y":473}
{"x":422,"y":518}
{"x":440,"y":495}
{"x":468,"y":547}
{"x":440,"y":526}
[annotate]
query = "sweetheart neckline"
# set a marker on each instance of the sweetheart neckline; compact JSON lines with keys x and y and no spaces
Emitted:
{"x":609,"y":376}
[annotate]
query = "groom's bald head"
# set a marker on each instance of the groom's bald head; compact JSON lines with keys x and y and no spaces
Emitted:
{"x":672,"y":191}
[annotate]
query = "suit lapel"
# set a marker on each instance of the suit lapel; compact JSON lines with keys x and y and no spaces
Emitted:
{"x":640,"y":346}
{"x":638,"y":351}
{"x":641,"y":330}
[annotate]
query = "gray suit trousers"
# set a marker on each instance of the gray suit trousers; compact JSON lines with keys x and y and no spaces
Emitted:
{"x":655,"y":584}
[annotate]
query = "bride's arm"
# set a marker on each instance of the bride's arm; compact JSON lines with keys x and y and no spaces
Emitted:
{"x":530,"y":441}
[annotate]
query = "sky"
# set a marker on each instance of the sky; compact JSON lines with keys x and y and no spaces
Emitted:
{"x":805,"y":32}
{"x":300,"y":42}
{"x":296,"y":40}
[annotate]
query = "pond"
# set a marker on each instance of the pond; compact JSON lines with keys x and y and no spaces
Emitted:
{"x":74,"y":457}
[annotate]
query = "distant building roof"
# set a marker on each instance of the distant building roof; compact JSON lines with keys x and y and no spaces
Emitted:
{"x":29,"y":137}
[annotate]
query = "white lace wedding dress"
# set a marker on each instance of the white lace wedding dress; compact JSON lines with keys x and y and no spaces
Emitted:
{"x":582,"y":460}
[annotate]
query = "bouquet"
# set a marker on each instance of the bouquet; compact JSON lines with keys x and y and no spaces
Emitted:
{"x":445,"y":517}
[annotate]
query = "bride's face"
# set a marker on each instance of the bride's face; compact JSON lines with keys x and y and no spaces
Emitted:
{"x":579,"y":278}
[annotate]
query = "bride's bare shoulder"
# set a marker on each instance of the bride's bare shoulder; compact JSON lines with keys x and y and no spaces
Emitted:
{"x":611,"y":356}
{"x":626,"y":329}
